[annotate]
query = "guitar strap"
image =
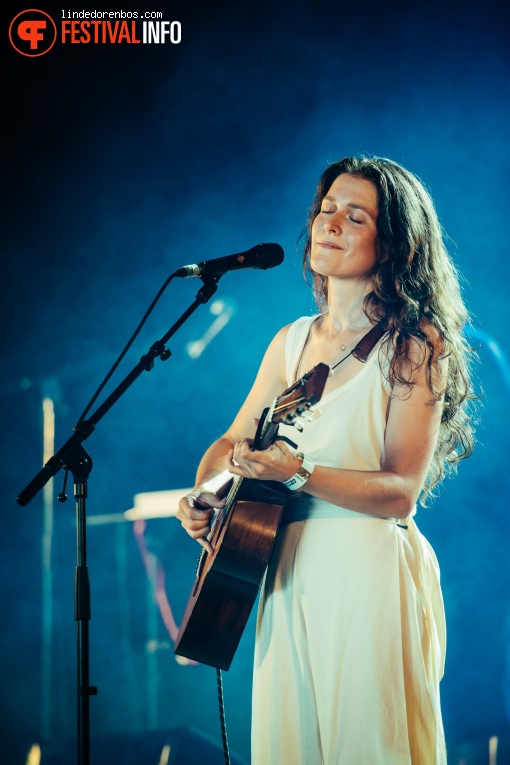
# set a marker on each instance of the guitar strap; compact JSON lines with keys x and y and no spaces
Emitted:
{"x":366,"y":344}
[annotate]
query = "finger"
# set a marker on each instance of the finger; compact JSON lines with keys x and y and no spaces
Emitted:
{"x":235,"y":459}
{"x":201,"y":517}
{"x":206,"y":499}
{"x":207,"y":502}
{"x":244,"y":445}
{"x":198,"y":527}
{"x":235,"y":469}
{"x":282,"y":446}
{"x":243,"y":453}
{"x":196,"y":534}
{"x":194,"y":519}
{"x":246,"y":470}
{"x":198,"y":502}
{"x":247,"y":457}
{"x":190,"y":510}
{"x":206,"y":544}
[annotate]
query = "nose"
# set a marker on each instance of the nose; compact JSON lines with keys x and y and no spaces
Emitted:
{"x":334,"y":223}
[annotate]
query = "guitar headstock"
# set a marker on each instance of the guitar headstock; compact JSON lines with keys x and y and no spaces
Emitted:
{"x":292,"y":404}
{"x":300,"y":397}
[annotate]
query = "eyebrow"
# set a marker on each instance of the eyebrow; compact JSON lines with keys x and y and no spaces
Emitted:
{"x":354,"y":206}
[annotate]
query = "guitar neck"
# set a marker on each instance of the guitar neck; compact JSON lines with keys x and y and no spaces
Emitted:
{"x":234,"y":491}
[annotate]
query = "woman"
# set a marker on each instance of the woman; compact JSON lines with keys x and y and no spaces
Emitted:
{"x":350,"y":634}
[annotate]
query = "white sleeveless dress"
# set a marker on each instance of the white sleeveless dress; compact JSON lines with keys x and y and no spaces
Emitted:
{"x":350,"y":633}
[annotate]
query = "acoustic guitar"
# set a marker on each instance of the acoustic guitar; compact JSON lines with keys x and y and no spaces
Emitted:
{"x":227,"y":581}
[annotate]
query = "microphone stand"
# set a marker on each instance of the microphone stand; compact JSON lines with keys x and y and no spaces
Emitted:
{"x":73,"y":457}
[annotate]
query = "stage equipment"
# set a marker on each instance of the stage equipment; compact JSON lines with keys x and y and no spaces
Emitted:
{"x":73,"y":458}
{"x":261,"y":256}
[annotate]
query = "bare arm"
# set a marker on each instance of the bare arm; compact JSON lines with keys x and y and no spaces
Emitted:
{"x":270,"y":381}
{"x":196,"y":510}
{"x":410,"y":441}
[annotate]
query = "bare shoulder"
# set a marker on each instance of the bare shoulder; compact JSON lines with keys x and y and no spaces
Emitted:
{"x":269,"y":383}
{"x":281,"y":336}
{"x":274,"y":358}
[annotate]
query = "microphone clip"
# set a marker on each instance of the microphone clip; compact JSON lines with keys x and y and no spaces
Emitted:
{"x":209,"y":287}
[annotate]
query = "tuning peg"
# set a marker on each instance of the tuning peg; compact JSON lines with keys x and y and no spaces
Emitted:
{"x":298,"y":425}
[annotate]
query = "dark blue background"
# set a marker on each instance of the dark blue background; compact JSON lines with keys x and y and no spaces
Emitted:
{"x":122,"y":163}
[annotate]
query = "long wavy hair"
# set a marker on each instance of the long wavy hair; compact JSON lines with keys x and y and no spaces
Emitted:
{"x":415,"y":288}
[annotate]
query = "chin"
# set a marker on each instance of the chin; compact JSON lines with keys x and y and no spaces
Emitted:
{"x":321,"y":268}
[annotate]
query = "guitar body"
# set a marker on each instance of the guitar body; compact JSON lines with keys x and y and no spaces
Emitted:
{"x":228,"y":581}
{"x":242,"y":538}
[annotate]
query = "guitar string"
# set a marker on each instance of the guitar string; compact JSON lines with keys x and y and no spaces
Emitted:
{"x":294,"y":401}
{"x":231,"y":496}
{"x":237,"y":483}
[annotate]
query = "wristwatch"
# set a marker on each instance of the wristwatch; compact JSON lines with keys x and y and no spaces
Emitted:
{"x":302,"y":475}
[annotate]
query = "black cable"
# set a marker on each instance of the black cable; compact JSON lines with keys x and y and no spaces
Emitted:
{"x":344,"y":359}
{"x":223,"y":725}
{"x":125,"y":350}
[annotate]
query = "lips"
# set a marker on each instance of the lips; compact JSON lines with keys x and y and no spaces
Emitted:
{"x":328,"y":245}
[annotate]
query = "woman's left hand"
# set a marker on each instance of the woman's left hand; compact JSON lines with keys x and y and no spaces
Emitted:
{"x":274,"y":464}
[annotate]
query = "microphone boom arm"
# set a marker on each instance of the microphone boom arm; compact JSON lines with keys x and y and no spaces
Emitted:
{"x":63,"y":457}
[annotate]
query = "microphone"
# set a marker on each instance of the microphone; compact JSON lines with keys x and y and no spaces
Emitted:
{"x":261,"y":256}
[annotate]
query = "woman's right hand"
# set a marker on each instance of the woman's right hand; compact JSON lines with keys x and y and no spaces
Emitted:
{"x":195,"y":513}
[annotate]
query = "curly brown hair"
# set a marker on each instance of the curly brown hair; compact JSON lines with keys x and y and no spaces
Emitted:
{"x":416,"y":291}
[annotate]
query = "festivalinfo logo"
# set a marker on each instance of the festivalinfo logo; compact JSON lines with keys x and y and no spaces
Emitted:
{"x":33,"y":32}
